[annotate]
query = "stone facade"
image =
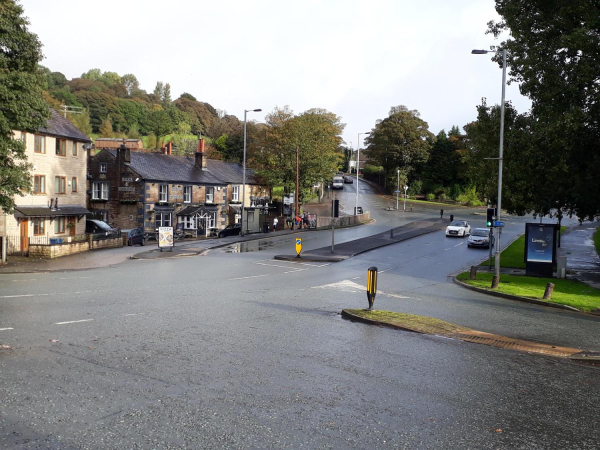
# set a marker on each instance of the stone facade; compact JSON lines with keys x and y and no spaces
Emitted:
{"x":71,"y":248}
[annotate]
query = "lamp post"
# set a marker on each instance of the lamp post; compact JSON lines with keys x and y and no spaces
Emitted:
{"x":244,"y":172}
{"x":405,"y":191}
{"x":358,"y":169}
{"x":500,"y":156}
{"x":397,"y":189}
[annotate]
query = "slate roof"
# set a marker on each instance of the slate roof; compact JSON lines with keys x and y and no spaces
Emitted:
{"x":58,"y":126}
{"x":161,"y":167}
{"x":44,"y":211}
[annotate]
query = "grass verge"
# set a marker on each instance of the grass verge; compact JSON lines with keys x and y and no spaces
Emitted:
{"x":420,"y":324}
{"x":514,"y":255}
{"x":566,"y":292}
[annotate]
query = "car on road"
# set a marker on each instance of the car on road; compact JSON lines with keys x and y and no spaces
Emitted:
{"x":480,"y":237}
{"x":458,"y":228}
{"x":348,"y":179}
{"x":98,"y":227}
{"x":134,"y":236}
{"x":233,"y":229}
{"x":338,"y":182}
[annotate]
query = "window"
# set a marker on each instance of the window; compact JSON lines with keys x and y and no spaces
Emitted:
{"x":61,"y":147}
{"x":99,"y":191}
{"x":60,"y":185}
{"x":23,"y":138}
{"x":59,"y":225}
{"x":210,"y":194}
{"x":210,"y":221}
{"x":39,"y":184}
{"x":189,"y":223}
{"x":74,"y":184}
{"x":102,"y":167}
{"x":163,"y":219}
{"x":39,"y":145}
{"x":163,"y":193}
{"x":235,"y":193}
{"x":74,"y":150}
{"x":187,"y":194}
{"x":39,"y":227}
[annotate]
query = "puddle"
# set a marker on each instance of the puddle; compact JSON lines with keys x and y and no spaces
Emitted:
{"x":250,"y":246}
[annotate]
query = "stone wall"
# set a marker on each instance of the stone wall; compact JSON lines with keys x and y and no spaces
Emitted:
{"x":71,"y":248}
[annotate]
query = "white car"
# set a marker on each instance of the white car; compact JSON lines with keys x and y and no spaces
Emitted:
{"x":480,"y":237}
{"x":458,"y":228}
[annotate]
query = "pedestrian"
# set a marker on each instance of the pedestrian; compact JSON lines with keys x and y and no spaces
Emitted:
{"x":275,"y":222}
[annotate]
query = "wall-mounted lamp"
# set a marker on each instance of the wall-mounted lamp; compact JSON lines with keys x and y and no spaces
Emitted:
{"x":137,"y":179}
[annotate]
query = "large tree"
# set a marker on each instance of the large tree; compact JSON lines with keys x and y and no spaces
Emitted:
{"x":401,"y":141}
{"x":554,"y":54}
{"x":159,"y":123}
{"x":21,"y":101}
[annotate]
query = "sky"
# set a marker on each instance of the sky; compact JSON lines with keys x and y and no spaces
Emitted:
{"x":355,"y":58}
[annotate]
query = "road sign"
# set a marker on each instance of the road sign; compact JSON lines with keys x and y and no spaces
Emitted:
{"x":497,"y":223}
{"x":298,"y":246}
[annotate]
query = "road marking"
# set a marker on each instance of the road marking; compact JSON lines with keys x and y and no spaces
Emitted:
{"x":136,"y":314}
{"x":245,"y":278}
{"x":75,"y":278}
{"x":6,"y":329}
{"x":459,"y":244}
{"x":351,"y":286}
{"x":276,"y":265}
{"x":21,"y":295}
{"x":73,"y":321}
{"x":27,"y":279}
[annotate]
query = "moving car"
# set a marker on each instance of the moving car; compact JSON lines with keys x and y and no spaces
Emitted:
{"x":348,"y":179}
{"x":338,"y":182}
{"x":98,"y":227}
{"x":134,"y":236}
{"x":458,"y":228}
{"x":480,"y":237}
{"x":233,"y":229}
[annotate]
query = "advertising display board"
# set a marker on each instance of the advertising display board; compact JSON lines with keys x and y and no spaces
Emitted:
{"x":165,"y":237}
{"x":540,"y":248}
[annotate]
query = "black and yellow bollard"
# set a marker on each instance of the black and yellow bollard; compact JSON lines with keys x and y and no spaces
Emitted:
{"x":371,"y":285}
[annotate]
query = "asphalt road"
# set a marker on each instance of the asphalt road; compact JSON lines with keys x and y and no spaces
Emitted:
{"x":236,"y":350}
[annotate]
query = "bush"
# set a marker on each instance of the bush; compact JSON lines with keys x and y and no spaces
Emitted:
{"x":415,"y":188}
{"x":430,"y":197}
{"x":470,"y":197}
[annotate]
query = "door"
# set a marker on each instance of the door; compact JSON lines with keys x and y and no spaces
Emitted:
{"x":72,"y":226}
{"x":24,"y":227}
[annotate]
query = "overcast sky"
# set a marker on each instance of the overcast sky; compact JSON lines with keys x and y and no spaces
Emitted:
{"x":355,"y":58}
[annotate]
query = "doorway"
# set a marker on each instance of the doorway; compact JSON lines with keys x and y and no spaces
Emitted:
{"x":24,"y":234}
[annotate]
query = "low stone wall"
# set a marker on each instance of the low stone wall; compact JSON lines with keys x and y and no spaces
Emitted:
{"x":71,"y":248}
{"x":343,"y":221}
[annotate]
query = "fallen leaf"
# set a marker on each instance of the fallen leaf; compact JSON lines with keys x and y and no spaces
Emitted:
{"x":499,"y":430}
{"x":54,"y":340}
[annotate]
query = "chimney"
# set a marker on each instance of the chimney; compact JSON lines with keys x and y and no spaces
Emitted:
{"x":123,"y":154}
{"x":200,"y":155}
{"x":170,"y":148}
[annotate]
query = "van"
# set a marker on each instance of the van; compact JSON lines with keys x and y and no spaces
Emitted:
{"x":338,"y":182}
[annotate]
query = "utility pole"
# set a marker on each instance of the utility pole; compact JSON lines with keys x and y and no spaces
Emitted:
{"x":297,"y":211}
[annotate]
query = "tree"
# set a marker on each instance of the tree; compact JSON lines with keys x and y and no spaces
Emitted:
{"x":23,"y":107}
{"x":159,"y":124}
{"x":106,"y":128}
{"x":188,"y":96}
{"x":400,"y":141}
{"x":81,"y":121}
{"x":130,"y":82}
{"x":166,"y":96}
{"x":92,"y":74}
{"x":553,"y":52}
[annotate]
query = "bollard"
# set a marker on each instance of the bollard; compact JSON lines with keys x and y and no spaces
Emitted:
{"x":392,"y":233}
{"x":441,"y":213}
{"x":371,"y":286}
{"x":451,"y":217}
{"x":549,"y":290}
{"x":495,"y":281}
{"x":473,"y":274}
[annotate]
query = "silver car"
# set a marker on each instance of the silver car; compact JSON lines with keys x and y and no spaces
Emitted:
{"x":480,"y":237}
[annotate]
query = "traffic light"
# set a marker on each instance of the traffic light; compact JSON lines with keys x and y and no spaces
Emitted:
{"x":336,"y":208}
{"x":490,"y":217}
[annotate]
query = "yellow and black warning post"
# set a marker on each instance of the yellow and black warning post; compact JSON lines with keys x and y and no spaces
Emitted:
{"x":298,"y":247}
{"x":371,"y":285}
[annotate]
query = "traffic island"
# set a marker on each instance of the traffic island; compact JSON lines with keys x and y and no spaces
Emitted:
{"x":429,"y":325}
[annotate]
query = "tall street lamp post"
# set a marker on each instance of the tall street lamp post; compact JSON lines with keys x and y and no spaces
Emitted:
{"x":358,"y":170}
{"x":244,"y":172}
{"x":397,"y":189}
{"x":500,"y":156}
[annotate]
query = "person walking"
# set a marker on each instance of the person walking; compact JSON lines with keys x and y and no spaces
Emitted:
{"x":275,"y":222}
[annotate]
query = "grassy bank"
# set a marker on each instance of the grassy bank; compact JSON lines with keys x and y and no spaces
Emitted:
{"x":597,"y":240}
{"x":566,"y":292}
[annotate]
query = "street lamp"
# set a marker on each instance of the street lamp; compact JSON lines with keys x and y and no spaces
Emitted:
{"x":499,"y":203}
{"x":244,"y":172}
{"x":358,"y":170}
{"x":397,"y":189}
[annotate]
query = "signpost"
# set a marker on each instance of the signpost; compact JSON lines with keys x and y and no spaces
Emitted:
{"x":371,"y":286}
{"x":498,"y":223}
{"x":165,"y":238}
{"x":298,"y":247}
{"x":405,"y":189}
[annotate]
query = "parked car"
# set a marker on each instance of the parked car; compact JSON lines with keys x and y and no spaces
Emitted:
{"x":93,"y":226}
{"x":134,"y":236}
{"x":458,"y":228}
{"x":348,"y":179}
{"x":480,"y":237}
{"x":232,"y":229}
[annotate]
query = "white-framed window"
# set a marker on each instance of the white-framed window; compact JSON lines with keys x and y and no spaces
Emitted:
{"x":163,"y":219}
{"x":189,"y":222}
{"x":100,"y":191}
{"x":187,"y":194}
{"x":103,"y":167}
{"x":210,"y":220}
{"x":235,"y":193}
{"x":163,"y":194}
{"x":210,"y":194}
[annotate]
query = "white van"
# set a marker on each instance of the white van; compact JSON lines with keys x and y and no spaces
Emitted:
{"x":338,"y":182}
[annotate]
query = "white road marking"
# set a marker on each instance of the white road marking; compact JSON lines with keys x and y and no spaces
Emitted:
{"x":136,"y":314}
{"x":27,"y":279}
{"x":6,"y":329}
{"x":351,"y":286}
{"x":276,"y":265}
{"x":459,"y":244}
{"x":75,"y":278}
{"x":73,"y":321}
{"x":21,"y":295}
{"x":245,"y":278}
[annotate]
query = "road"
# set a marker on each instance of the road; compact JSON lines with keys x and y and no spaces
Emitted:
{"x":236,"y":350}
